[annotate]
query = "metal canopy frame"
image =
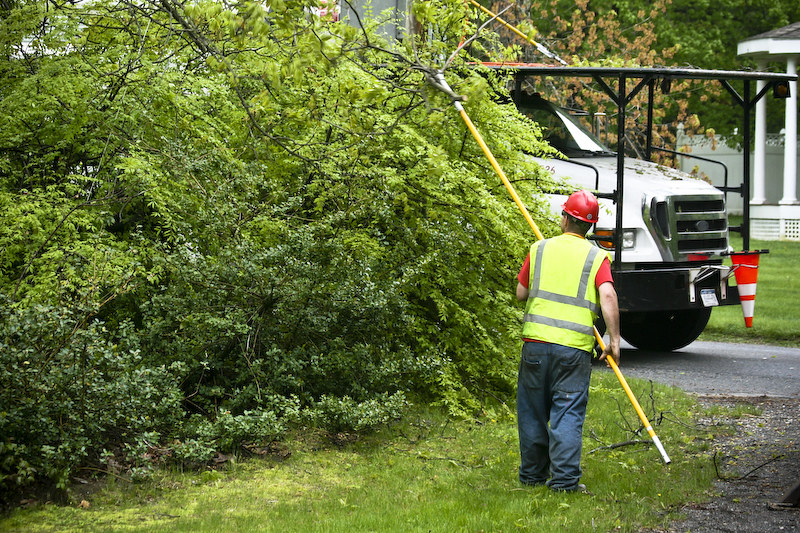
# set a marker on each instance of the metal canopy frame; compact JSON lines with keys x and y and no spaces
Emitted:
{"x":648,"y":77}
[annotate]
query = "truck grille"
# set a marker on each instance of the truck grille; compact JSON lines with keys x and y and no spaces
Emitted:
{"x":690,"y":224}
{"x":699,"y":206}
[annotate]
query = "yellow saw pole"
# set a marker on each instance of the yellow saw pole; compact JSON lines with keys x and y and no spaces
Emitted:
{"x":440,"y":81}
{"x":538,"y":46}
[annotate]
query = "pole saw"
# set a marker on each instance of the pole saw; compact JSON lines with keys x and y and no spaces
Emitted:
{"x":539,"y":47}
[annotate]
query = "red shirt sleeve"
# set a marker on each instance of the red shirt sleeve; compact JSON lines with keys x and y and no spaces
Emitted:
{"x":524,"y":275}
{"x":603,"y":273}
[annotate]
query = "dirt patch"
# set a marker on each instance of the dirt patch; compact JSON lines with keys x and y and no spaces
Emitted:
{"x":757,"y":468}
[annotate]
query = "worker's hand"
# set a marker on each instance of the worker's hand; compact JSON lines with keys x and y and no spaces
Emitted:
{"x":611,"y":350}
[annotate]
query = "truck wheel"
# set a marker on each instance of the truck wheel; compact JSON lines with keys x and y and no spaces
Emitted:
{"x":663,"y":330}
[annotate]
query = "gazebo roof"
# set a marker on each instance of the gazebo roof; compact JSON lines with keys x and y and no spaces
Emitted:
{"x":779,"y":42}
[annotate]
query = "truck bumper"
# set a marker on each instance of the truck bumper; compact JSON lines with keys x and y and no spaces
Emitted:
{"x":675,"y":288}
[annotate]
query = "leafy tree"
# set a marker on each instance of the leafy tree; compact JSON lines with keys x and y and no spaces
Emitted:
{"x":665,"y":33}
{"x":705,"y":35}
{"x":267,"y":216}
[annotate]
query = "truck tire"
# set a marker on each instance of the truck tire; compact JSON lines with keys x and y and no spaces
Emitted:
{"x":663,"y":331}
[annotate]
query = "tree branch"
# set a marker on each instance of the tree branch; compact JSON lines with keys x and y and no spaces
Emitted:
{"x":620,"y":445}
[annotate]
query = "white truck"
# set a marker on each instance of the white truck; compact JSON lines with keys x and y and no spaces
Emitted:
{"x":669,"y":238}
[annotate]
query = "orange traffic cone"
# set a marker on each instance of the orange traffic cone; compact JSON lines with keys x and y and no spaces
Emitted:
{"x":745,"y":268}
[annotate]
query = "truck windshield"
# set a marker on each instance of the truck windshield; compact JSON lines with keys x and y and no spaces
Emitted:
{"x":561,"y":130}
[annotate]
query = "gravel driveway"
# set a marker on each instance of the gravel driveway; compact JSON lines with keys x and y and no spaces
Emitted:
{"x":757,"y":467}
{"x":760,"y":463}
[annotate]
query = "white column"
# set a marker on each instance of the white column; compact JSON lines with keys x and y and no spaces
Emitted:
{"x":790,"y":140}
{"x":760,"y":148}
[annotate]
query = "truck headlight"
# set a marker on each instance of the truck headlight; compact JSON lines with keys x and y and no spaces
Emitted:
{"x":628,"y":239}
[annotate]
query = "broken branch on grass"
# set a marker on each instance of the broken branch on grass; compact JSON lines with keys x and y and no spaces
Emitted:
{"x":739,"y":478}
{"x":620,"y":445}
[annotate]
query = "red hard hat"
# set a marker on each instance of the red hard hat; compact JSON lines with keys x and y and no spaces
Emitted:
{"x":583,"y":206}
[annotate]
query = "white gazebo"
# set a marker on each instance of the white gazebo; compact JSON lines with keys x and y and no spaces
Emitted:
{"x":771,"y":219}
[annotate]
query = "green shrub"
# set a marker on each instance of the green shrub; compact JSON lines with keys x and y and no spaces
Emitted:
{"x":345,"y":414}
{"x":192,"y":453}
{"x":68,"y":388}
{"x":228,"y":432}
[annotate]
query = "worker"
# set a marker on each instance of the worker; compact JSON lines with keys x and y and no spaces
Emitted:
{"x":566,"y":282}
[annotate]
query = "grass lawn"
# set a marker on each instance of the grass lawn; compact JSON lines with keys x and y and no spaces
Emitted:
{"x":424,"y":474}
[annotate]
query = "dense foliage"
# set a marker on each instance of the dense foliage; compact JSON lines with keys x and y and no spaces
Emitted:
{"x":685,"y":33}
{"x":705,"y":34}
{"x":222,"y":221}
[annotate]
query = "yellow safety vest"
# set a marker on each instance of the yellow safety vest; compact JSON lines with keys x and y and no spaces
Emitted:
{"x":563,"y":302}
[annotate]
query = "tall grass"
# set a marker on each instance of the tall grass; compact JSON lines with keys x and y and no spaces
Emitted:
{"x":426,"y":474}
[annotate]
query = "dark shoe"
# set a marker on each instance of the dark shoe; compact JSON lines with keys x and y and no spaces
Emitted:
{"x":580,"y":488}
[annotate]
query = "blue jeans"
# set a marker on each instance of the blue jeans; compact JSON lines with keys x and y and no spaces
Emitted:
{"x":552,"y":393}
